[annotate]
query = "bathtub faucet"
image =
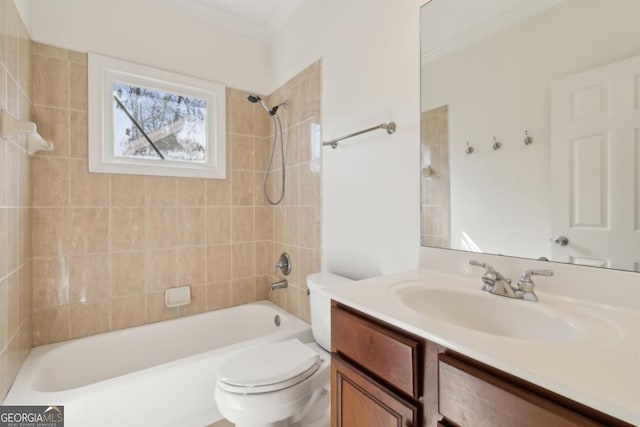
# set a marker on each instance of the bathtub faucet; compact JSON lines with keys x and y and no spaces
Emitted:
{"x":279,"y":285}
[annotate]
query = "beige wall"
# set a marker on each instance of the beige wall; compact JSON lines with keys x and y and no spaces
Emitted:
{"x":15,"y":200}
{"x":297,"y":221}
{"x":106,"y":246}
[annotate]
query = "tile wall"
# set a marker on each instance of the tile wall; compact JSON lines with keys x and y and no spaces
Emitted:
{"x":15,"y":200}
{"x":435,"y":188}
{"x":297,"y":220}
{"x":106,"y":246}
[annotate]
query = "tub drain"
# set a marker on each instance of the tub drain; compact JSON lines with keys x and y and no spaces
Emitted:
{"x":276,"y":320}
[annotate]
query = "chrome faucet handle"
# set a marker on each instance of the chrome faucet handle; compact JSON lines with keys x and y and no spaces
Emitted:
{"x":284,"y":264}
{"x":525,"y":284}
{"x":490,"y":275}
{"x":483,"y":265}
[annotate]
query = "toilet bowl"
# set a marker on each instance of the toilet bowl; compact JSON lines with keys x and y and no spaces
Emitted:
{"x":286,"y":383}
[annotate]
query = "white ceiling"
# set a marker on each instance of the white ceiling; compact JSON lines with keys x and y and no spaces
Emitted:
{"x":259,"y":18}
{"x":449,"y":25}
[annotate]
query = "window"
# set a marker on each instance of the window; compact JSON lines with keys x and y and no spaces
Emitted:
{"x":147,"y":121}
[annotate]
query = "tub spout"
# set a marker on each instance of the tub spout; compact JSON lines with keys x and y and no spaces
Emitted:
{"x":279,"y":285}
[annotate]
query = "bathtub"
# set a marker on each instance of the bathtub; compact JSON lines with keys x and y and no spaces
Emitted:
{"x":161,"y":374}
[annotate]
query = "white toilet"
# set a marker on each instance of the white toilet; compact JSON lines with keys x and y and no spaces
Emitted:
{"x":283,"y":383}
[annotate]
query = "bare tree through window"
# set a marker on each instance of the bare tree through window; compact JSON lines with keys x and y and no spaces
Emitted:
{"x":143,"y":118}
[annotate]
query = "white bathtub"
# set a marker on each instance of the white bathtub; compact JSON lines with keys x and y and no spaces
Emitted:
{"x":162,"y":374}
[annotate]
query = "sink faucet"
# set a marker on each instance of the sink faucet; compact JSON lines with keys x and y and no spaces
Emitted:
{"x":495,"y":283}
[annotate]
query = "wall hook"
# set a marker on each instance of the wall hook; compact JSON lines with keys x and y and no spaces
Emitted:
{"x":496,"y":145}
{"x":469,"y":149}
{"x":528,"y":140}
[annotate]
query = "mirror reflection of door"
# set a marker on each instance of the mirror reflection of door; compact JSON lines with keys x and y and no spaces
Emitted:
{"x":595,"y":150}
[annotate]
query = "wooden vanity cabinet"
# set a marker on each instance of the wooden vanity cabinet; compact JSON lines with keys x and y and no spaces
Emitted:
{"x":376,"y":373}
{"x":384,"y":376}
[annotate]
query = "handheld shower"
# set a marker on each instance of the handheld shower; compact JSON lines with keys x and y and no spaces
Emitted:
{"x":273,"y":112}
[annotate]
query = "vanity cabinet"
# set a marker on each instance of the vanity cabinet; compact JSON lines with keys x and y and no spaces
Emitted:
{"x":384,"y":376}
{"x":375,"y":373}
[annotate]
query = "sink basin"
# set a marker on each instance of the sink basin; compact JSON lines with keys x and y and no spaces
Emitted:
{"x":491,"y":314}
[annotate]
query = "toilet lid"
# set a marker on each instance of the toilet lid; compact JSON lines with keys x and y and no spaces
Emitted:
{"x":269,"y":365}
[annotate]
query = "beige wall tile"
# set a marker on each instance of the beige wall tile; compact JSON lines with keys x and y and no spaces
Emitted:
{"x":292,"y":226}
{"x":127,"y":311}
{"x":50,"y":181}
{"x":242,"y":152}
{"x":78,"y":86}
{"x":12,"y":174}
{"x":87,"y":189}
{"x":242,"y":188}
{"x":78,"y":134}
{"x":50,"y":282}
{"x":51,"y":325}
{"x":191,"y":226}
{"x":292,"y":192}
{"x":218,"y":263}
{"x":198,"y":302}
{"x":90,"y":318}
{"x":156,"y":308}
{"x":127,"y":190}
{"x":219,"y":295}
{"x":293,"y":300}
{"x":13,"y":236}
{"x":12,"y":308}
{"x":242,"y":260}
{"x":90,"y":278}
{"x":162,"y":191}
{"x":161,"y":269}
{"x":191,"y":192}
{"x":307,"y":227}
{"x":162,"y":227}
{"x":127,"y":273}
{"x":262,"y":288}
{"x":264,"y":223}
{"x":53,"y":126}
{"x":78,"y":57}
{"x":240,"y":115}
{"x":89,"y":230}
{"x":50,"y":232}
{"x":244,"y":291}
{"x":127,"y":229}
{"x":242,"y":224}
{"x":265,"y":258}
{"x":48,"y":50}
{"x":191,"y":266}
{"x":218,"y":225}
{"x":219,"y":191}
{"x":50,"y":81}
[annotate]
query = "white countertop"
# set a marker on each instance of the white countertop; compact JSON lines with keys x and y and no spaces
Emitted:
{"x":598,"y":370}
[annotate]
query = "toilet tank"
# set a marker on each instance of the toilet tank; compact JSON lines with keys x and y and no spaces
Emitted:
{"x":321,"y":305}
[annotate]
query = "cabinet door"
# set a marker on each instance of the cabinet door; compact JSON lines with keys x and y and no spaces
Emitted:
{"x":358,"y":401}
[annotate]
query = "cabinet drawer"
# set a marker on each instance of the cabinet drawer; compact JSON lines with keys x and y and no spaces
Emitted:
{"x":469,"y":396}
{"x":359,"y":401}
{"x":389,"y":355}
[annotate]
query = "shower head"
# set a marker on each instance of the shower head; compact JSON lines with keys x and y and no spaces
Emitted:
{"x":255,"y":98}
{"x":274,"y":110}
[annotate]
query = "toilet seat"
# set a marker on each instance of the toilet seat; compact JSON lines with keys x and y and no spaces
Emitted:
{"x":268,"y":368}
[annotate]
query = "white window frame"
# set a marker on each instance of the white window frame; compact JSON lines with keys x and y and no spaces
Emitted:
{"x":103,"y":72}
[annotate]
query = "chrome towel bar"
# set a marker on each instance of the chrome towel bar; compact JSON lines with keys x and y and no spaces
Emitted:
{"x":390,"y":127}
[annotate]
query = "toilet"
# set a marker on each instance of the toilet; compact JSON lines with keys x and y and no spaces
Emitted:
{"x":286,"y":383}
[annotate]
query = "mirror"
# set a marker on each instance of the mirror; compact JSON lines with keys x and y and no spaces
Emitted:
{"x":530,"y":129}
